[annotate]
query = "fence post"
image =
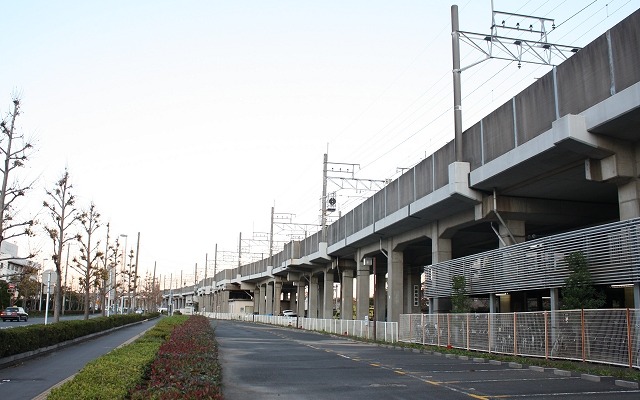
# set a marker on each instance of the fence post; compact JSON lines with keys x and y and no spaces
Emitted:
{"x":468,"y":346}
{"x":448,"y":330}
{"x":629,"y":346}
{"x":582,"y":331}
{"x":546,"y":337}
{"x":424,"y":331}
{"x":489,"y":333}
{"x":515,"y":335}
{"x":438,"y":327}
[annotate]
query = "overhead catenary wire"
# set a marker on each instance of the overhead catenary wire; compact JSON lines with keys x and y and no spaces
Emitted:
{"x":411,"y":135}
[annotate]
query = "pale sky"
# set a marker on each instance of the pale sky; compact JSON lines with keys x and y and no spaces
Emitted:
{"x":187,"y":121}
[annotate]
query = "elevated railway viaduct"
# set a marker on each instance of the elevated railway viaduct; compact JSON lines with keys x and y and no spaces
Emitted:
{"x":560,"y":157}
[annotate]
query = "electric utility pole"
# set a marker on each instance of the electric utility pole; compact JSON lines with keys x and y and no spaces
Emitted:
{"x":532,"y":47}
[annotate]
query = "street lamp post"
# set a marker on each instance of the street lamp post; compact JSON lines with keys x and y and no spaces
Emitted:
{"x":41,"y":286}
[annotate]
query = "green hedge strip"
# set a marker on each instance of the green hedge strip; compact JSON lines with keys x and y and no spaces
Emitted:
{"x":32,"y":337}
{"x":115,"y":374}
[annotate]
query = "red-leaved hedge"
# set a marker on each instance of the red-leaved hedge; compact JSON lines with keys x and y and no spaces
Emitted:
{"x":186,"y":366}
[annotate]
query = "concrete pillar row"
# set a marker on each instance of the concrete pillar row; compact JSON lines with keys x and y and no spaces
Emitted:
{"x":380,"y":299}
{"x":362,"y":289}
{"x":263,"y":299}
{"x":277,"y":294}
{"x":440,"y":251}
{"x":395,"y":292}
{"x":313,"y":297}
{"x":224,"y":296}
{"x":301,"y":301}
{"x":412,"y":290}
{"x":292,"y":300}
{"x":346,"y":311}
{"x":269,"y":308}
{"x":256,"y":299}
{"x":327,"y":309}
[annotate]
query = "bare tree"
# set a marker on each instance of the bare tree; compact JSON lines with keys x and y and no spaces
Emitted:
{"x":87,"y":264}
{"x":63,"y":215}
{"x":112,"y":260}
{"x":14,"y":151}
{"x":102,"y":276}
{"x":27,"y":286}
{"x":130,"y":277}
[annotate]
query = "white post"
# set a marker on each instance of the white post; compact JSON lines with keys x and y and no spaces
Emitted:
{"x":46,"y":307}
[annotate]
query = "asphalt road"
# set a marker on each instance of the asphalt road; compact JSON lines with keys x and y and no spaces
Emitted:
{"x":265,"y":362}
{"x":32,"y":377}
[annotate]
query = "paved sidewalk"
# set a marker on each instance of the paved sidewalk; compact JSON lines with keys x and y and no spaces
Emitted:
{"x":33,"y":378}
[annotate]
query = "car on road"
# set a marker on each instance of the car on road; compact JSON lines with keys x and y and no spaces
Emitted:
{"x":14,"y":314}
{"x":289,"y":313}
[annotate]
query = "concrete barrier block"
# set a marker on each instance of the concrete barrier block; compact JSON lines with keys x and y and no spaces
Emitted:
{"x":626,"y":384}
{"x":596,"y":378}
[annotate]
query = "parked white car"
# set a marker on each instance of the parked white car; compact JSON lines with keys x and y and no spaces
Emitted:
{"x":289,"y":313}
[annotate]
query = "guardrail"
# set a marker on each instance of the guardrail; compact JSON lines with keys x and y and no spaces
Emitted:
{"x":382,"y":331}
{"x":608,"y":336}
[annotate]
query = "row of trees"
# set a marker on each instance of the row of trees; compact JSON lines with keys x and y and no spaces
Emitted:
{"x":65,"y":223}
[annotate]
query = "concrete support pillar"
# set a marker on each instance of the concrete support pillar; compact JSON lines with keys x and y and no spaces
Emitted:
{"x":263,"y":299}
{"x":516,"y":228}
{"x":277,"y":295}
{"x":346,"y":288}
{"x":629,"y":199}
{"x":301,"y":301}
{"x":380,"y":300}
{"x":225,"y":301}
{"x":395,"y":291}
{"x":327,"y":297}
{"x":270,"y":298}
{"x":636,"y":295}
{"x":412,"y":290}
{"x":440,"y":251}
{"x":256,"y":299}
{"x":362,"y":290}
{"x":292,"y":301}
{"x":313,"y":297}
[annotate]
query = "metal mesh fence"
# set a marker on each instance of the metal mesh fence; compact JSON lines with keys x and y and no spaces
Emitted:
{"x":610,"y":336}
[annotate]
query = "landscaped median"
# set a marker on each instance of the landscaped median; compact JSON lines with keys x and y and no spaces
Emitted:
{"x":176,"y":359}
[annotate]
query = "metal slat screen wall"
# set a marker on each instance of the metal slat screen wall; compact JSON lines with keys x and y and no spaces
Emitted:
{"x":612,"y":252}
{"x":610,"y":336}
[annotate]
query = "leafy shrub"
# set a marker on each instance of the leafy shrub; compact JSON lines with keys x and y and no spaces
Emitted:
{"x":186,"y":366}
{"x":32,"y":337}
